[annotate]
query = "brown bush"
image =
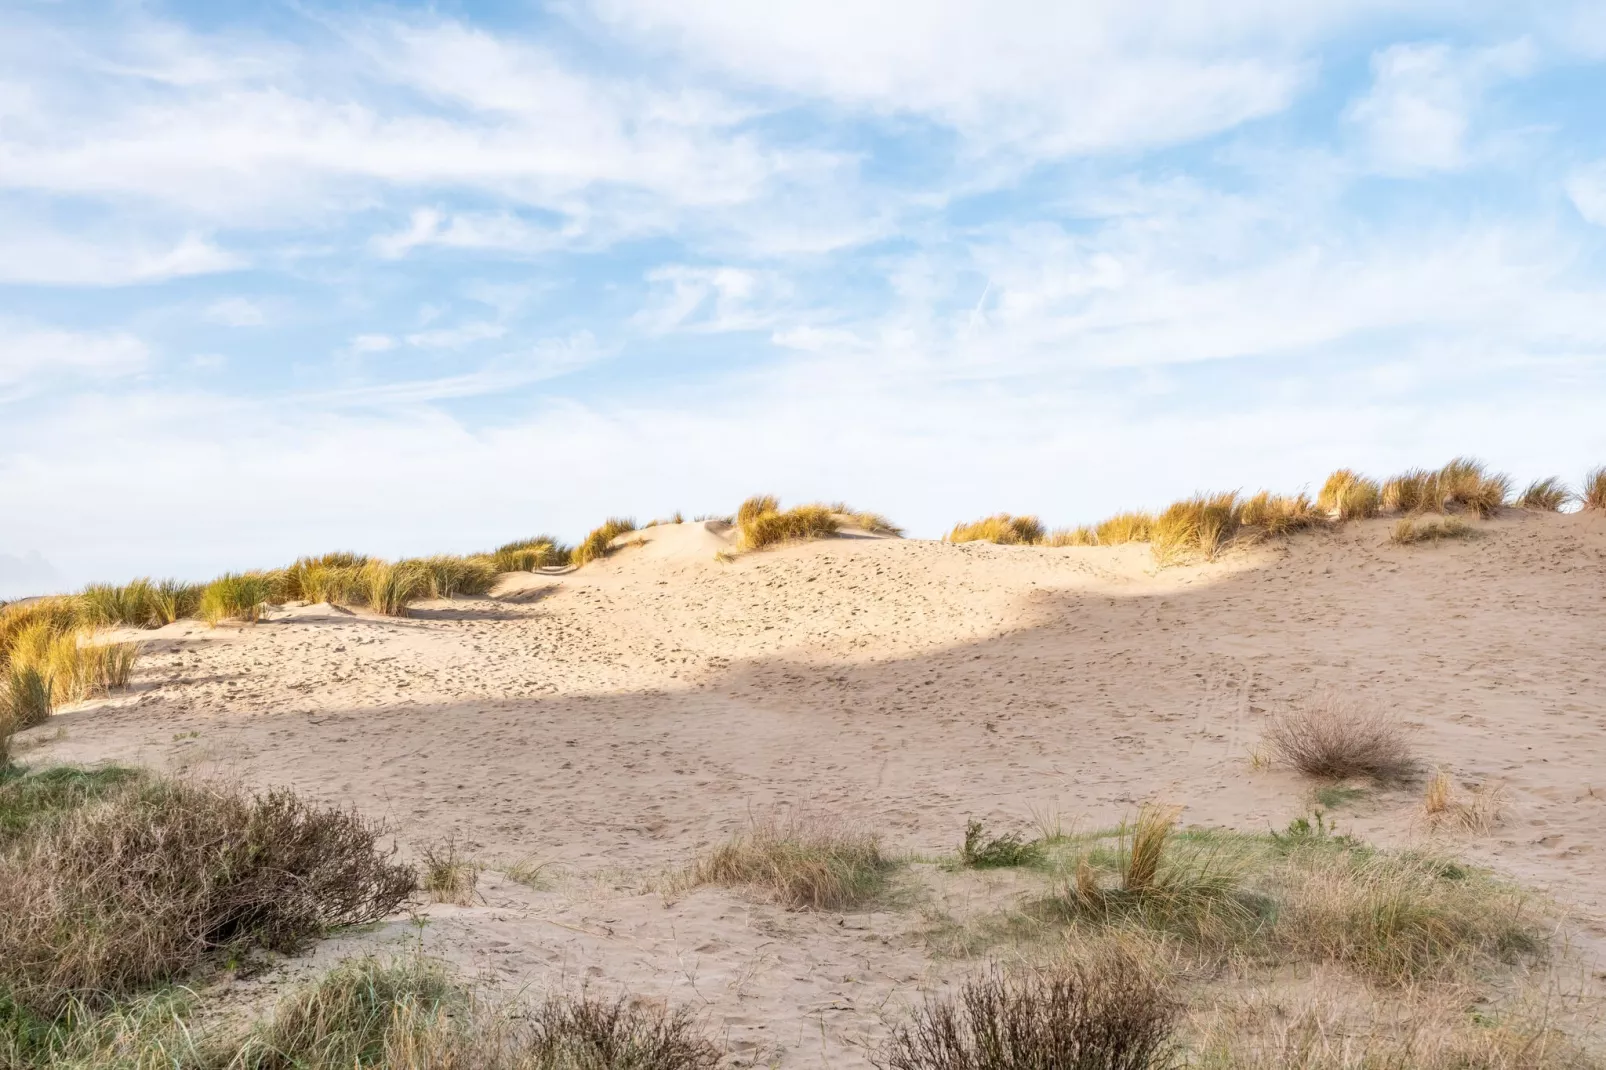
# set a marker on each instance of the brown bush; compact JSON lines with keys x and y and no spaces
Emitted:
{"x":1335,"y":737}
{"x":1106,"y":1013}
{"x":139,"y":887}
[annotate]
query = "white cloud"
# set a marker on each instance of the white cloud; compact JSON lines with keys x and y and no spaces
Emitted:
{"x":1418,"y":113}
{"x":1587,"y":188}
{"x":480,"y":231}
{"x":236,"y":312}
{"x":456,"y":337}
{"x":32,"y":254}
{"x":31,"y":355}
{"x":371,"y":343}
{"x":709,"y":300}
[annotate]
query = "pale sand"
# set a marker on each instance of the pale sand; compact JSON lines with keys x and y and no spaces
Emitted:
{"x":617,"y":719}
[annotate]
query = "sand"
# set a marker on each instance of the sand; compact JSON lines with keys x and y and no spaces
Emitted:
{"x":612,"y":721}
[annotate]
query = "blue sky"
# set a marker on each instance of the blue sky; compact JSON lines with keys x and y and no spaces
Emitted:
{"x":277,"y":278}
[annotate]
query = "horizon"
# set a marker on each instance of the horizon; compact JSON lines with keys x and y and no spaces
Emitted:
{"x":317,"y":276}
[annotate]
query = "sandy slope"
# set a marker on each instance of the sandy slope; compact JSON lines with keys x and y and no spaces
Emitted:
{"x":616,"y":719}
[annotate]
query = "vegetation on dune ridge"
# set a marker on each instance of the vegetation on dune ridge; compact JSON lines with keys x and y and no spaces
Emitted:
{"x":761,"y":522}
{"x":1001,"y":528}
{"x":599,"y":543}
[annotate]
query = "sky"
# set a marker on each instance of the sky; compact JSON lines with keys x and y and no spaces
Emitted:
{"x":279,"y":278}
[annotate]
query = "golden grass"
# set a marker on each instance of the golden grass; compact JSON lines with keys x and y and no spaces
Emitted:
{"x":1410,"y":530}
{"x":1124,"y":528}
{"x":1463,"y":485}
{"x":1002,"y":528}
{"x":1201,"y":526}
{"x":1593,"y":493}
{"x":1085,"y":535}
{"x":447,"y":874}
{"x":1348,"y":495}
{"x":599,"y":543}
{"x":235,"y":596}
{"x":1333,"y":736}
{"x":755,"y":507}
{"x":57,"y":614}
{"x":1479,"y":812}
{"x":1279,"y":514}
{"x":1546,"y":495}
{"x":801,"y":861}
{"x":761,"y":530}
{"x":48,"y":669}
{"x":528,"y":555}
{"x":391,"y":589}
{"x":863,"y":519}
{"x":450,"y":576}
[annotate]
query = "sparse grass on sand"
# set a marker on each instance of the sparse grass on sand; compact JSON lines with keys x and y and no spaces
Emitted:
{"x":1348,"y":495}
{"x":1546,"y":495}
{"x":46,"y":669}
{"x":1479,"y":812}
{"x":771,"y":527}
{"x":1593,"y":493}
{"x":1335,"y":737}
{"x":134,"y":883}
{"x":1409,"y":530}
{"x":1002,"y":528}
{"x":802,"y":861}
{"x":599,"y":543}
{"x":447,"y":874}
{"x":235,"y":596}
{"x":1085,"y":535}
{"x":981,"y":851}
{"x":1107,"y":1010}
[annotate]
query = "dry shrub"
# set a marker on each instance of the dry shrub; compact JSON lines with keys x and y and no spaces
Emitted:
{"x":391,"y":589}
{"x":1593,"y":494}
{"x":1279,"y":514}
{"x":1408,"y":531}
{"x":1348,"y":495}
{"x":1124,"y":528}
{"x":804,"y":862}
{"x":528,"y":555}
{"x":1200,"y":526}
{"x":599,"y":543}
{"x":1546,"y":495}
{"x":1398,"y":919}
{"x":1078,"y":536}
{"x":235,"y":596}
{"x":412,"y":1015}
{"x":1107,"y":1012}
{"x":799,"y":522}
{"x":1003,"y":529}
{"x":140,"y":887}
{"x":1334,"y":737}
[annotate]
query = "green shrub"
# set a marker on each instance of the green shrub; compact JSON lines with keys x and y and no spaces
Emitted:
{"x":981,"y":851}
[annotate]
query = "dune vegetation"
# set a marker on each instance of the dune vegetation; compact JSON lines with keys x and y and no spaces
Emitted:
{"x":599,"y":542}
{"x":761,"y":522}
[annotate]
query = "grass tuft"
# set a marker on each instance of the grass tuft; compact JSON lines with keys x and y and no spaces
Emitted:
{"x":770,"y":528}
{"x":1124,"y":528}
{"x":1348,"y":495}
{"x":1463,"y":485}
{"x":447,"y":874}
{"x":391,"y":589}
{"x":235,"y":596}
{"x":1408,"y":531}
{"x":1085,"y":535}
{"x":755,"y":507}
{"x":981,"y":851}
{"x":1003,"y":529}
{"x":1108,"y":1011}
{"x":1201,"y":526}
{"x":1334,"y":737}
{"x":528,"y":555}
{"x":1593,"y":494}
{"x":1279,"y":514}
{"x":1546,"y":495}
{"x":599,"y":543}
{"x":803,"y":862}
{"x":450,"y":576}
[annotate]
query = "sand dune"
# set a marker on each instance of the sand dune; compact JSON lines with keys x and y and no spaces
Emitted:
{"x":614,"y":720}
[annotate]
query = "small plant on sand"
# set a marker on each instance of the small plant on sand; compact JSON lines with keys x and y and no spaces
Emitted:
{"x":175,"y":600}
{"x":1124,"y":528}
{"x":447,"y":874}
{"x":981,"y":851}
{"x":770,"y":528}
{"x":803,"y":862}
{"x":1348,"y":495}
{"x":1334,"y":737}
{"x":1200,"y":526}
{"x":1410,"y":530}
{"x":1279,"y":514}
{"x":1108,"y":1011}
{"x":1479,"y":812}
{"x":599,"y":543}
{"x":527,"y":555}
{"x":1593,"y":494}
{"x":619,"y":1034}
{"x":1547,"y":495}
{"x":1003,"y":529}
{"x":755,"y":507}
{"x":235,"y":597}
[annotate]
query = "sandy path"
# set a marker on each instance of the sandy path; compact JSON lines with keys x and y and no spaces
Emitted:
{"x":621,"y":717}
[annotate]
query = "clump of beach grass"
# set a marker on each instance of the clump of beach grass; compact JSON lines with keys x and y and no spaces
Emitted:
{"x":57,"y":615}
{"x":1124,"y":528}
{"x":391,"y":588}
{"x":1001,"y":528}
{"x":1279,"y":514}
{"x":1201,"y":526}
{"x":1479,"y":812}
{"x":1336,"y":737}
{"x":1109,"y":1010}
{"x":801,"y":861}
{"x":1546,"y":495}
{"x":47,"y":669}
{"x":1593,"y":492}
{"x":1409,"y":530}
{"x":1348,"y":495}
{"x":448,"y":875}
{"x":771,"y":527}
{"x":1463,"y":485}
{"x":235,"y":596}
{"x":755,"y":507}
{"x":450,"y":576}
{"x":1084,"y":535}
{"x":599,"y":542}
{"x":528,"y":555}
